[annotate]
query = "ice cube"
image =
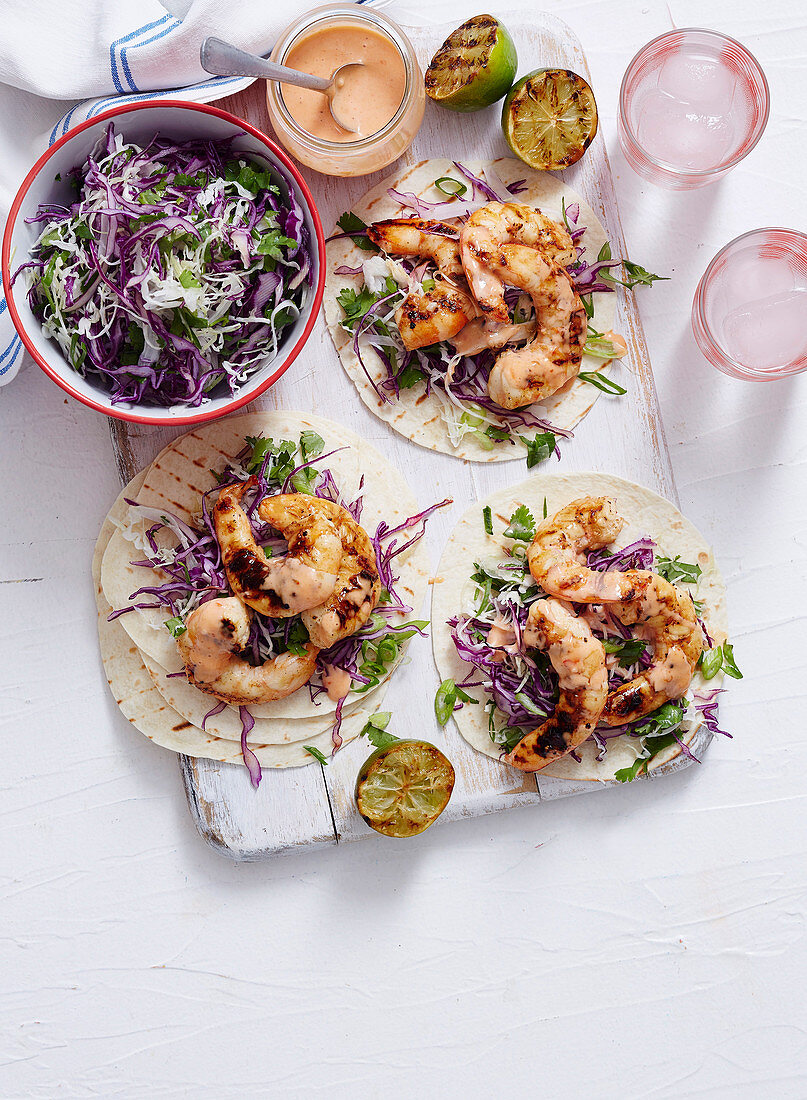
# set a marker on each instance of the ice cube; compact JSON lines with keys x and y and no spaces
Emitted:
{"x":701,"y":82}
{"x":674,"y":133}
{"x":750,"y":277}
{"x":768,"y":333}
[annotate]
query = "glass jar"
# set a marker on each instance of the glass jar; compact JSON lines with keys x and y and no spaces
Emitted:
{"x":366,"y":154}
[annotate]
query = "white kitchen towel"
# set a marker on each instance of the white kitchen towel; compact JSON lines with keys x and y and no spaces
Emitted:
{"x":55,"y":52}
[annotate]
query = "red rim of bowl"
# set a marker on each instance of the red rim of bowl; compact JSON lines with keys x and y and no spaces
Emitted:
{"x":133,"y":416}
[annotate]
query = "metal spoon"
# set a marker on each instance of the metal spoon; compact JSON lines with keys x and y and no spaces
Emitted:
{"x":221,"y":59}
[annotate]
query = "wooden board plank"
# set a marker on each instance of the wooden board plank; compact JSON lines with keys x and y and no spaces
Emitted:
{"x":314,"y":805}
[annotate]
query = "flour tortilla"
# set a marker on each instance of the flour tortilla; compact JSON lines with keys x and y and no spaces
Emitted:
{"x":145,"y":708}
{"x":645,"y":513}
{"x":414,"y":415}
{"x":179,"y":476}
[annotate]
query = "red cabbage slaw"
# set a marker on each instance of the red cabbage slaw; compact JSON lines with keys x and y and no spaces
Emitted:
{"x":190,"y":557}
{"x":522,"y":688}
{"x":458,"y":382}
{"x":174,"y":274}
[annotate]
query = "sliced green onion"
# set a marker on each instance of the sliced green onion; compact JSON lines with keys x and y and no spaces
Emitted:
{"x":607,"y":385}
{"x":451,"y":187}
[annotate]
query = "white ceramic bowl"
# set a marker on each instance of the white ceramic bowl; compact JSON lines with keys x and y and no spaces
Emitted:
{"x":140,"y":122}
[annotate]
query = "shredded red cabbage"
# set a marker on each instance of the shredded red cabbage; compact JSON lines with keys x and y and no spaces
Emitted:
{"x":196,"y":573}
{"x":176,"y":271}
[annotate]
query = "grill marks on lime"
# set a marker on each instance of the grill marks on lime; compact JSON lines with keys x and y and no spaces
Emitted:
{"x":474,"y":67}
{"x":550,"y":118}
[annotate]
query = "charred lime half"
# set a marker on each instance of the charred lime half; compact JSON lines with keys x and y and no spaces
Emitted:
{"x":474,"y":67}
{"x":549,"y":118}
{"x":402,"y":789}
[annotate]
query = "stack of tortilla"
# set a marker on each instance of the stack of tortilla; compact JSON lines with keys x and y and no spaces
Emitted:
{"x":138,"y":652}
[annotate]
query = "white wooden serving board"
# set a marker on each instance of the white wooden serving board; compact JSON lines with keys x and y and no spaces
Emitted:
{"x":314,"y":805}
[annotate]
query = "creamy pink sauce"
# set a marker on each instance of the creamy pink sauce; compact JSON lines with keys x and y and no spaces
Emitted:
{"x":212,"y":647}
{"x":368,"y":97}
{"x":299,"y":586}
{"x":336,"y":682}
{"x":619,"y":343}
{"x":501,"y":634}
{"x":359,"y":593}
{"x":476,"y":336}
{"x":672,"y":676}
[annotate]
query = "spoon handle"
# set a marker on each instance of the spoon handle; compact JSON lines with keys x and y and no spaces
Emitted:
{"x":222,"y":59}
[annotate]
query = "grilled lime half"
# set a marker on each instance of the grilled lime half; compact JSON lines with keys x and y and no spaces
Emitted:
{"x":474,"y":67}
{"x":549,"y":118}
{"x":401,"y":790}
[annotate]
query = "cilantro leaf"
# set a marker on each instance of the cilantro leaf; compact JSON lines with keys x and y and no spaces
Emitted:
{"x":674,"y":570}
{"x":175,"y":626}
{"x":311,"y":445}
{"x":640,"y":276}
{"x":409,"y":376}
{"x":352,"y":224}
{"x":653,"y":746}
{"x":539,"y":448}
{"x":298,"y":636}
{"x":272,"y":244}
{"x":522,"y":525}
{"x":637,"y":275}
{"x":355,"y":304}
{"x":629,"y":651}
{"x":375,"y":730}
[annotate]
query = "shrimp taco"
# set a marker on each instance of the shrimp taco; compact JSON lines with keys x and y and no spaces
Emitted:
{"x":472,"y":306}
{"x":143,"y":705}
{"x":580,"y":629}
{"x":265,"y":576}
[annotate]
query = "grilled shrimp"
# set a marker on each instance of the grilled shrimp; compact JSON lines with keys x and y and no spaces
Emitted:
{"x":286,"y":586}
{"x":215,"y":634}
{"x":492,"y":226}
{"x":666,"y":617}
{"x":357,"y":587}
{"x":433,"y":240}
{"x":425,"y":317}
{"x":579,"y":660}
{"x":557,"y":554}
{"x":521,"y":376}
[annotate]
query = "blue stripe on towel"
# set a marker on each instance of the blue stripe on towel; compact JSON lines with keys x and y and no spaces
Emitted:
{"x":120,"y":42}
{"x":15,"y":345}
{"x":62,"y":125}
{"x":145,"y":42}
{"x":168,"y":93}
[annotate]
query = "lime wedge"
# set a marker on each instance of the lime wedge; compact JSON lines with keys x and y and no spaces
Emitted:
{"x":549,"y":118}
{"x":474,"y":67}
{"x":402,"y":790}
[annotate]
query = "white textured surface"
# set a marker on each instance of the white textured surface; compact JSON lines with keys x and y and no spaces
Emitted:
{"x":649,"y":941}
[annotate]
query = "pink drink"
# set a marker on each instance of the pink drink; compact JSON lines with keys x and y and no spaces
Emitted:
{"x":749,"y":315}
{"x":692,"y":104}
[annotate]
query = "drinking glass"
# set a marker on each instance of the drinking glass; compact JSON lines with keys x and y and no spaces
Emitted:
{"x":692,"y":104}
{"x":749,"y":315}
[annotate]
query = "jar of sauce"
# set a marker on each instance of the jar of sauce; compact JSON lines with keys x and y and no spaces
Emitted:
{"x":384,"y":99}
